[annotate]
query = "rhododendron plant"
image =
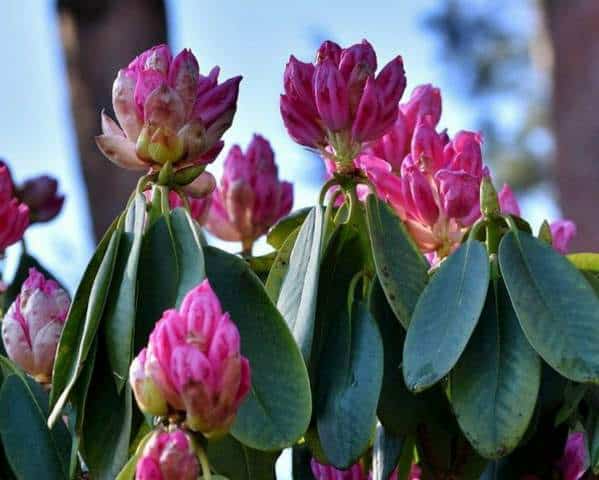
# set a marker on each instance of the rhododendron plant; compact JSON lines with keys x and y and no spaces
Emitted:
{"x":409,"y":325}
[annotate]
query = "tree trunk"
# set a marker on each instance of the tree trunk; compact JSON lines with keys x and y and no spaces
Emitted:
{"x":99,"y":37}
{"x":573,"y":27}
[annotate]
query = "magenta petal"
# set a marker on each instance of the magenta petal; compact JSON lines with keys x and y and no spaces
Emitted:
{"x":332,"y":98}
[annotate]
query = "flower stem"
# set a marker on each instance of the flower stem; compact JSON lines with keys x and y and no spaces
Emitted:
{"x":206,"y":475}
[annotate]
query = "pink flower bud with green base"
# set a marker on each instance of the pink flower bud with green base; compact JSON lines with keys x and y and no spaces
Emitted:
{"x":14,"y":215}
{"x":168,"y":112}
{"x":32,"y":325}
{"x":168,"y":456}
{"x":575,"y":461}
{"x":148,"y":396}
{"x":40,"y":194}
{"x":328,"y":472}
{"x":193,"y":359}
{"x":250,"y":198}
{"x":562,"y":233}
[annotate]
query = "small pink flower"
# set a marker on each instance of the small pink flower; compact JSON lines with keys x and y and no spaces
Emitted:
{"x":32,"y":325}
{"x":14,"y":215}
{"x":507,"y":201}
{"x":167,"y":111}
{"x":250,"y":198}
{"x":41,"y":195}
{"x":168,"y":456}
{"x":193,"y":361}
{"x":575,"y":460}
{"x":562,"y":233}
{"x":340,"y":102}
{"x":328,"y":472}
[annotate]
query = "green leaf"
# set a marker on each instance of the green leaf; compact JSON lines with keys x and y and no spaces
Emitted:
{"x":588,"y":262}
{"x":401,"y":268}
{"x":262,"y":265}
{"x":120,"y":312}
{"x":234,"y":460}
{"x":386,"y":453}
{"x":280,"y":266}
{"x":300,"y":463}
{"x":284,"y":227}
{"x":278,"y":409}
{"x":573,"y":395}
{"x":171,"y":264}
{"x":128,"y":471}
{"x":557,"y":308}
{"x":495,"y":384}
{"x":350,"y":378}
{"x":445,"y":316}
{"x":299,"y":291}
{"x":33,"y":451}
{"x":83,"y":319}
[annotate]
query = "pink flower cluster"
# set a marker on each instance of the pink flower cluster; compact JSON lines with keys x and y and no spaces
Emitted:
{"x":193,"y":364}
{"x":168,"y":456}
{"x":250,"y":198}
{"x":338,"y":102}
{"x":14,"y":215}
{"x":167,"y":111}
{"x":432,"y":181}
{"x":32,"y":325}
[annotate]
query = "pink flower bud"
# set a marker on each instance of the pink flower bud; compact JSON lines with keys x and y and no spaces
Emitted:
{"x":298,"y":80}
{"x":394,"y":145}
{"x":418,"y":198}
{"x":508,"y":202}
{"x":32,"y":325}
{"x":427,"y":147}
{"x":329,"y":50}
{"x":251,"y":198}
{"x":301,"y":124}
{"x":562,"y":233}
{"x":332,"y":96}
{"x":193,"y":359}
{"x":464,"y":153}
{"x":14,"y":215}
{"x":425,"y":101}
{"x":327,"y":472}
{"x":168,"y":456}
{"x":575,"y":460}
{"x":167,"y":111}
{"x":460,"y":194}
{"x":40,"y":194}
{"x":148,"y":395}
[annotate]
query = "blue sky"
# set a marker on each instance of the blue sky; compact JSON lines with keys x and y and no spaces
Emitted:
{"x":252,"y":38}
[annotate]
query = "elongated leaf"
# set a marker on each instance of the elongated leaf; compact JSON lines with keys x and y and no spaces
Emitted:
{"x":128,"y":471}
{"x":279,"y":267}
{"x":557,"y":308}
{"x":401,"y":268}
{"x":588,"y":262}
{"x":33,"y":451}
{"x":351,"y":374}
{"x":445,"y":316}
{"x":386,"y":453}
{"x":495,"y":384}
{"x":171,"y":264}
{"x":298,"y":294}
{"x":236,"y":461}
{"x":262,"y":265}
{"x":83,"y":319}
{"x":120,"y":313}
{"x":279,"y":232}
{"x":279,"y":406}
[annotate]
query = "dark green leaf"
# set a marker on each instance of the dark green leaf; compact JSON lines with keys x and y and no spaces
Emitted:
{"x":33,"y":451}
{"x":279,"y":232}
{"x":401,"y":268}
{"x":120,"y":312}
{"x":386,"y":452}
{"x":445,"y":316}
{"x":300,"y":463}
{"x":83,"y":319}
{"x":350,"y":378}
{"x":495,"y":383}
{"x":237,"y":461}
{"x":573,"y":395}
{"x":299,"y":290}
{"x":278,"y":409}
{"x":557,"y":308}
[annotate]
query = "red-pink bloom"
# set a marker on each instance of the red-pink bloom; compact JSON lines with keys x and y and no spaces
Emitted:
{"x":340,"y":101}
{"x":507,"y":201}
{"x":328,"y":472}
{"x":14,"y":215}
{"x":168,"y":456}
{"x":193,"y":359}
{"x":575,"y":460}
{"x":167,"y":111}
{"x":41,"y":195}
{"x":562,"y":233}
{"x":250,"y":198}
{"x":32,"y":325}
